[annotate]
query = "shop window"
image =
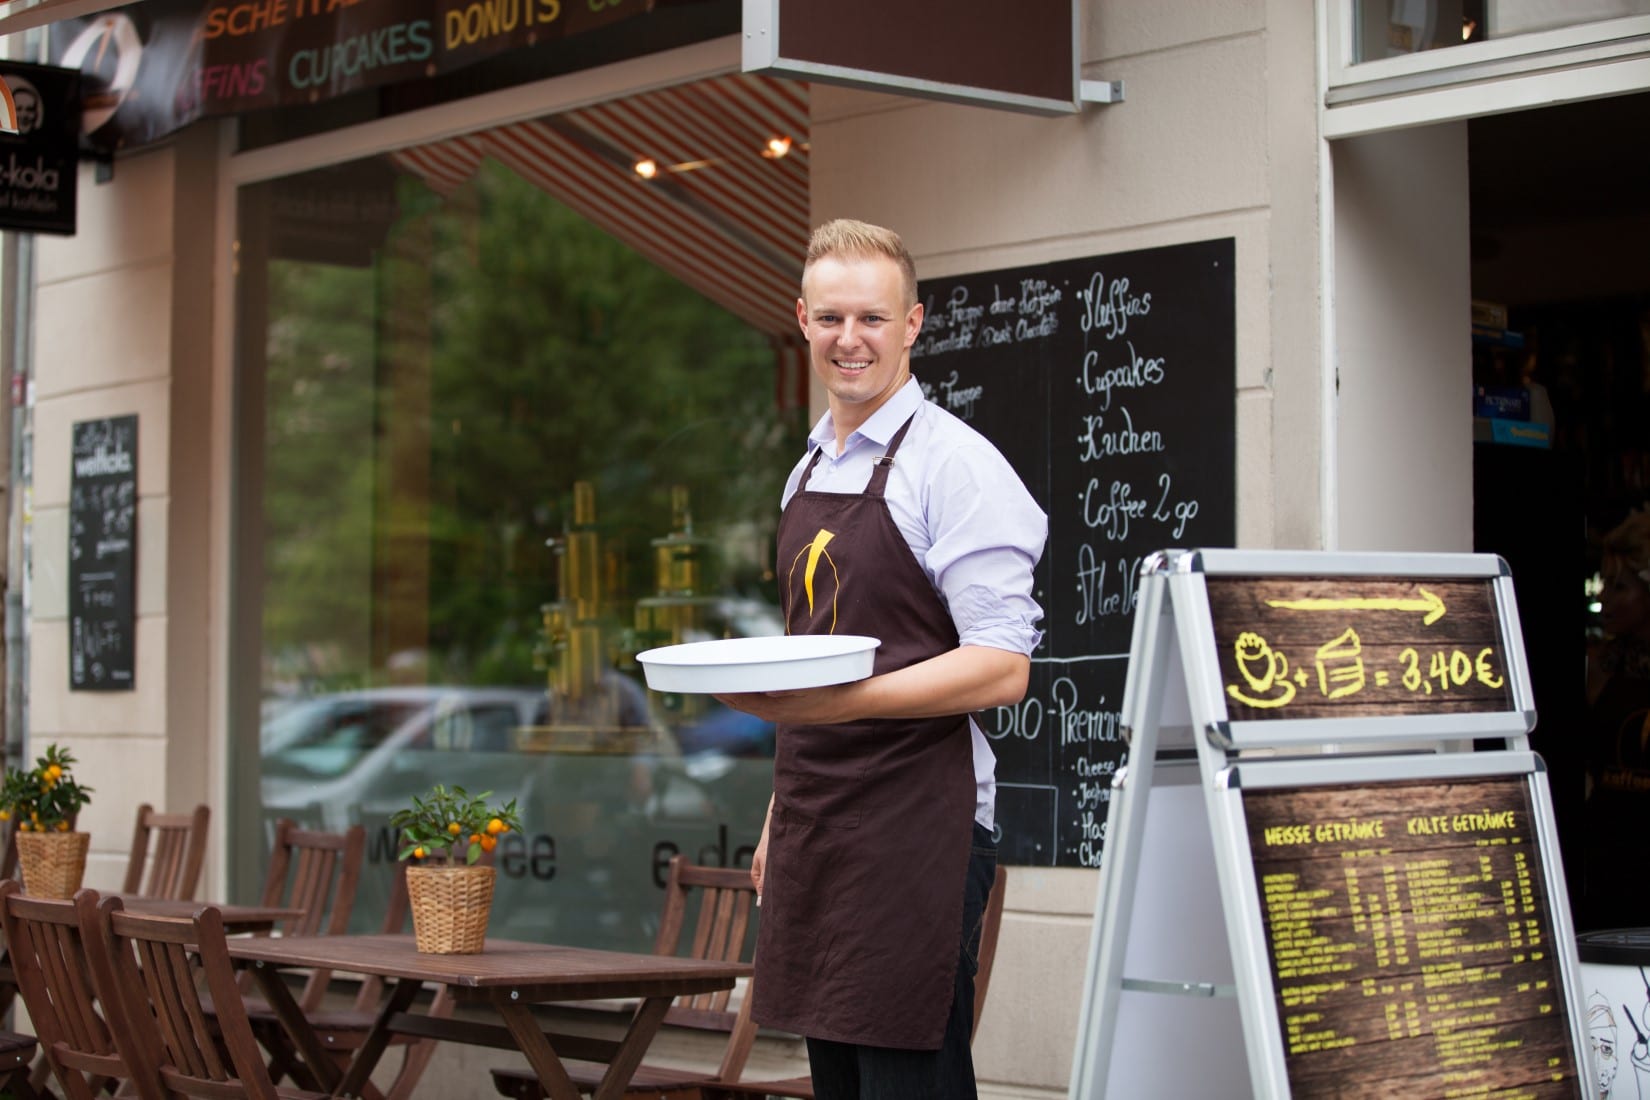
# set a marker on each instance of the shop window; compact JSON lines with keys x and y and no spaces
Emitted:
{"x":489,"y":453}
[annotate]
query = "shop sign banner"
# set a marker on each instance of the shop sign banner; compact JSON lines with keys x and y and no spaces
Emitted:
{"x":38,"y":164}
{"x":158,"y":66}
{"x":982,"y":52}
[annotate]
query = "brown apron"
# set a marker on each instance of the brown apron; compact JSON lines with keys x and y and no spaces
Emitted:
{"x":862,"y":905}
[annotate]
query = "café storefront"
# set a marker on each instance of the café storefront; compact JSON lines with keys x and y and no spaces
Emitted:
{"x":462,"y":352}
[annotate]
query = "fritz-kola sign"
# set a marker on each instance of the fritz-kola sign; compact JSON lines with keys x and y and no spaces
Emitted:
{"x":38,"y":163}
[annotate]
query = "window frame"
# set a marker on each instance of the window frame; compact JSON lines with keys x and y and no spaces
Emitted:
{"x":1562,"y":64}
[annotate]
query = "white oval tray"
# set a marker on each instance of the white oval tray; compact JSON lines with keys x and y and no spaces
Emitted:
{"x":780,"y":663}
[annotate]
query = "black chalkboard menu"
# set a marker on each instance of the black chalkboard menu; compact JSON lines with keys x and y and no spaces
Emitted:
{"x":1409,"y":932}
{"x":102,"y":554}
{"x":1109,"y":383}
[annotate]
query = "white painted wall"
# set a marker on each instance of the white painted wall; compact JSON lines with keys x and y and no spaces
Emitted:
{"x":1403,"y":307}
{"x":123,"y":318}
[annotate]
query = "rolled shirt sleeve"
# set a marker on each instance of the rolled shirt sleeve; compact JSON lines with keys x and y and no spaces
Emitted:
{"x":988,"y":534}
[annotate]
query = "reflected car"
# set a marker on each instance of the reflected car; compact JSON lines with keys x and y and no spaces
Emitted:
{"x":336,"y":759}
{"x":599,"y":825}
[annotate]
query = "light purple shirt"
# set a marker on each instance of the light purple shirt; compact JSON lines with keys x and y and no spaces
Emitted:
{"x":970,"y":523}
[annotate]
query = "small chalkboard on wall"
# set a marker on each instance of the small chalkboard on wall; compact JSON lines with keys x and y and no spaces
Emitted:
{"x":103,"y":554}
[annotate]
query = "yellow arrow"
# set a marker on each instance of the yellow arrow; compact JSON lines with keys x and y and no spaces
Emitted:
{"x":1430,"y":603}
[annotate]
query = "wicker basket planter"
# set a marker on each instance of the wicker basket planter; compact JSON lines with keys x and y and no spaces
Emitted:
{"x":450,"y":906}
{"x":53,"y":863}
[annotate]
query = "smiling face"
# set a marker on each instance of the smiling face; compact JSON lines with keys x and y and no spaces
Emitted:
{"x":860,"y":322}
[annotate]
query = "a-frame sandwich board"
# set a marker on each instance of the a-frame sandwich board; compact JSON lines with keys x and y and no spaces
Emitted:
{"x":1355,"y":823}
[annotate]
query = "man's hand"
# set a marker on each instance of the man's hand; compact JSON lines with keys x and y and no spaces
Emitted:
{"x":810,"y":707}
{"x":959,"y":681}
{"x":759,"y":858}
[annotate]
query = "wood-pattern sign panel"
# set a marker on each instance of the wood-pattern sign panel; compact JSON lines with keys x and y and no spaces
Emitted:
{"x":1410,"y":940}
{"x":1345,"y":647}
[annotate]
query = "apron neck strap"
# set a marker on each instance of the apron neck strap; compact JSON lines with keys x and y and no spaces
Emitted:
{"x":879,"y":473}
{"x":809,"y":472}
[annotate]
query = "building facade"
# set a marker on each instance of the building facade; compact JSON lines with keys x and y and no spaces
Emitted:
{"x":311,"y":317}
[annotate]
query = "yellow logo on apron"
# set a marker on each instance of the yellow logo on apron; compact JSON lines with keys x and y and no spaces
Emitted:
{"x":815,"y":552}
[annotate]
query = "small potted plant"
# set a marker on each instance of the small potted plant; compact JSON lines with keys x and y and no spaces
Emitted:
{"x":446,"y":833}
{"x":45,"y":801}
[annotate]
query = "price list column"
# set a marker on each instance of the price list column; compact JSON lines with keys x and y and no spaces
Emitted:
{"x":1409,"y":936}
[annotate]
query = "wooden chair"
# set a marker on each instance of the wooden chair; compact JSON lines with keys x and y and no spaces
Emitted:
{"x":722,"y":931}
{"x":65,"y":978}
{"x":9,"y":872}
{"x":168,"y":851}
{"x":345,"y":1030}
{"x":802,"y":1088}
{"x":315,"y":873}
{"x":160,"y":964}
{"x":17,"y":1050}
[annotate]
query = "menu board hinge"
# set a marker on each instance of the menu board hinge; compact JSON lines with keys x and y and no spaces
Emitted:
{"x":1184,"y":989}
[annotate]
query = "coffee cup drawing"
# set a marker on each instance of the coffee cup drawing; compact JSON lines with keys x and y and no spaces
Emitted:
{"x":1265,"y":671}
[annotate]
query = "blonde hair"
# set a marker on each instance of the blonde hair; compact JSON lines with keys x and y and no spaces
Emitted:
{"x":844,"y":237}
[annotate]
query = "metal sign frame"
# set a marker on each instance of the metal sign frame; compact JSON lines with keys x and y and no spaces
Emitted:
{"x":1174,"y":713}
{"x":762,"y":52}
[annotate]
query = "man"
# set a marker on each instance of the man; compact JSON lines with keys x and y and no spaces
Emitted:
{"x":902,"y":523}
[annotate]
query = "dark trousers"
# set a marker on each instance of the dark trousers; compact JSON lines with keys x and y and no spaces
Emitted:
{"x":852,"y":1071}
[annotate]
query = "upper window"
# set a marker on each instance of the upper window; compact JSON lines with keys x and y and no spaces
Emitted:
{"x":1399,"y":28}
{"x":1411,"y":62}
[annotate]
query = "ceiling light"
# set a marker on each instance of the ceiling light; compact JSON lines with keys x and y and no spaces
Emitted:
{"x":777,"y":147}
{"x":647,"y":168}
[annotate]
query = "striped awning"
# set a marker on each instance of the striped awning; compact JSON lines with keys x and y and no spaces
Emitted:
{"x":718,"y":214}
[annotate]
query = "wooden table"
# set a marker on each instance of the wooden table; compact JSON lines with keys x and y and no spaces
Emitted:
{"x":509,"y":976}
{"x":236,"y":918}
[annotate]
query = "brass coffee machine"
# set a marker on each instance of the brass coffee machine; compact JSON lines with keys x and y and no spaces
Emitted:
{"x":590,"y":707}
{"x":680,"y":608}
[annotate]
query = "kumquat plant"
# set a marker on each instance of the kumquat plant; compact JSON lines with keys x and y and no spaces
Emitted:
{"x":46,"y":798}
{"x":448,"y":821}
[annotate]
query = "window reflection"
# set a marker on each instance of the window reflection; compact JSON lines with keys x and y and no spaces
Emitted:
{"x":496,"y":454}
{"x":1394,"y":28}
